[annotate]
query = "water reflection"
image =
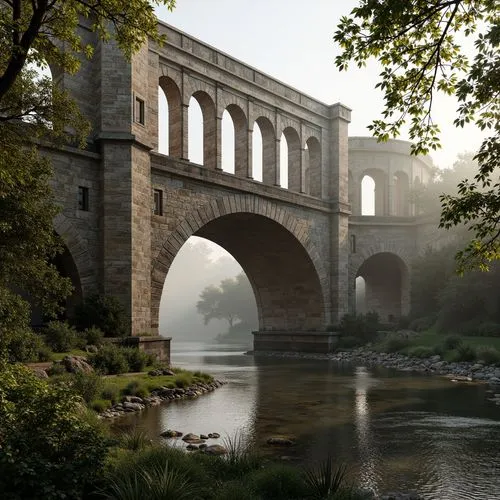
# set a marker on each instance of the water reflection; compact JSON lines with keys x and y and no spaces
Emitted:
{"x":395,"y":431}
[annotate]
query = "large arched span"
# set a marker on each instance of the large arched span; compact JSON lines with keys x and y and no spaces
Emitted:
{"x":386,"y":278}
{"x":283,"y":267}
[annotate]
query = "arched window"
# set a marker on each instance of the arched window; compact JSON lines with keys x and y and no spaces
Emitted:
{"x":163,"y":121}
{"x":360,"y":295}
{"x":195,"y":132}
{"x":227,"y":161}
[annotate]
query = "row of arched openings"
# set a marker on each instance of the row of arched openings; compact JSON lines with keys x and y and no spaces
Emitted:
{"x":374,"y":194}
{"x":234,"y":142}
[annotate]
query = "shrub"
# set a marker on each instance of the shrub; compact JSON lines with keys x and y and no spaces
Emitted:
{"x":100,"y":405}
{"x":395,"y":343}
{"x":135,"y":440}
{"x":279,"y":482}
{"x":464,"y":352}
{"x":361,"y":326}
{"x":103,"y":312}
{"x":422,"y":324}
{"x":25,"y":346}
{"x":87,"y":385}
{"x":488,"y":355}
{"x":60,"y":336}
{"x":50,"y":448}
{"x":488,"y":329}
{"x":44,"y":352}
{"x":182,"y":380}
{"x":451,"y":342}
{"x":235,"y":489}
{"x":421,"y":351}
{"x":56,"y":369}
{"x":136,"y":388}
{"x":348,"y":342}
{"x":137,"y":360}
{"x":110,"y":360}
{"x":93,"y":336}
{"x":111,"y":393}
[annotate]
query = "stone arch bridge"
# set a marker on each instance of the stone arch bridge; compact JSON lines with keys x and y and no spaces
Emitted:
{"x":127,"y":210}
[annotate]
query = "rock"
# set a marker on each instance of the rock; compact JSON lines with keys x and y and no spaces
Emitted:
{"x":215,"y":449}
{"x":214,"y":435}
{"x":132,"y":406}
{"x":40,"y":373}
{"x":169,"y":433}
{"x":202,"y":446}
{"x":155,"y":373}
{"x":76,"y":364}
{"x":191,"y":447}
{"x":133,"y":399}
{"x":476,"y":367}
{"x":166,"y":371}
{"x":435,"y":359}
{"x":494,"y":381}
{"x":203,"y":436}
{"x":190,"y":437}
{"x":280,"y":441}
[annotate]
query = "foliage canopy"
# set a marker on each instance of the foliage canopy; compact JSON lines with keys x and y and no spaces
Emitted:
{"x":418,"y":44}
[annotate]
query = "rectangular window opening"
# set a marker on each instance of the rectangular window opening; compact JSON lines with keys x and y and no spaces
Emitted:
{"x":139,"y":111}
{"x":83,"y":198}
{"x":158,"y":202}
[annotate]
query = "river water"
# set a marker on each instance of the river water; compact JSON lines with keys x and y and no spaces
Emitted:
{"x":396,"y":431}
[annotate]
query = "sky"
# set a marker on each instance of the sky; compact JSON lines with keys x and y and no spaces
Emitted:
{"x":293,"y":42}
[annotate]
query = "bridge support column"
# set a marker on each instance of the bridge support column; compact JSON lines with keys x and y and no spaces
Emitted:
{"x":339,"y":222}
{"x":185,"y":131}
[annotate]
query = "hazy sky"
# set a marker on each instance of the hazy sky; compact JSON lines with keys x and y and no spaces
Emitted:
{"x":293,"y":42}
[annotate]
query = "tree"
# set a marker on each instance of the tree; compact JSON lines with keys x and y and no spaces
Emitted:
{"x":231,"y":301}
{"x":33,"y":110}
{"x":417,"y":44}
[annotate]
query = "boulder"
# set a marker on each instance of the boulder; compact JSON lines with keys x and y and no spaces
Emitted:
{"x":190,"y":437}
{"x":214,"y":435}
{"x":76,"y":364}
{"x":40,"y":373}
{"x":169,"y":433}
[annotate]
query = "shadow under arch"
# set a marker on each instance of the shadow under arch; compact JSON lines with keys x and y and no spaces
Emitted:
{"x":386,"y":278}
{"x":283,"y":266}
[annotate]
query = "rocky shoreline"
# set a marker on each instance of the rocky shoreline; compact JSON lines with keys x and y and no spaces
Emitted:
{"x":463,"y":371}
{"x":131,"y":404}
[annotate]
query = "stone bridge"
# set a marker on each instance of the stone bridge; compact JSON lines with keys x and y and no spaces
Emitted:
{"x":127,"y":209}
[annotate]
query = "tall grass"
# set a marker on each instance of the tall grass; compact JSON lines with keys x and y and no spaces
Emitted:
{"x":326,"y":480}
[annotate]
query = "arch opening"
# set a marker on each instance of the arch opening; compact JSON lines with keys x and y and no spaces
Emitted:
{"x":169,"y":118}
{"x":235,"y":141}
{"x":386,"y":290}
{"x":257,"y":153}
{"x":290,"y":160}
{"x":267,"y":253}
{"x":312,"y":168}
{"x":373,"y":192}
{"x":202,"y":131}
{"x":268,"y":155}
{"x":360,"y":288}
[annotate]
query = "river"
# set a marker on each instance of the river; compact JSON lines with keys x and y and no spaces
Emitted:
{"x":396,"y":431}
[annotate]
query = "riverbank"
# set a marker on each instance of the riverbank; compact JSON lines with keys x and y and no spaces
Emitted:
{"x":464,"y":371}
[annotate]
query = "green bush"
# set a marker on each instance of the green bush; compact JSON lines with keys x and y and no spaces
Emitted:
{"x":100,"y":405}
{"x":395,"y":343}
{"x":279,"y":482}
{"x":488,"y":355}
{"x":137,"y":360}
{"x":361,"y":326}
{"x":452,"y":342}
{"x":348,"y":342}
{"x":103,"y":312}
{"x":25,"y":346}
{"x":44,"y":352}
{"x":50,"y":448}
{"x":60,"y":336}
{"x":56,"y":369}
{"x":93,"y":336}
{"x":421,"y":351}
{"x":136,"y":388}
{"x":464,"y":352}
{"x":235,"y":489}
{"x":87,"y":385}
{"x":109,"y":360}
{"x":422,"y":324}
{"x":110,"y":393}
{"x":182,"y":380}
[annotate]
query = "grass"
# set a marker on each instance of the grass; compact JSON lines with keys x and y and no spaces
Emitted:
{"x":116,"y":386}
